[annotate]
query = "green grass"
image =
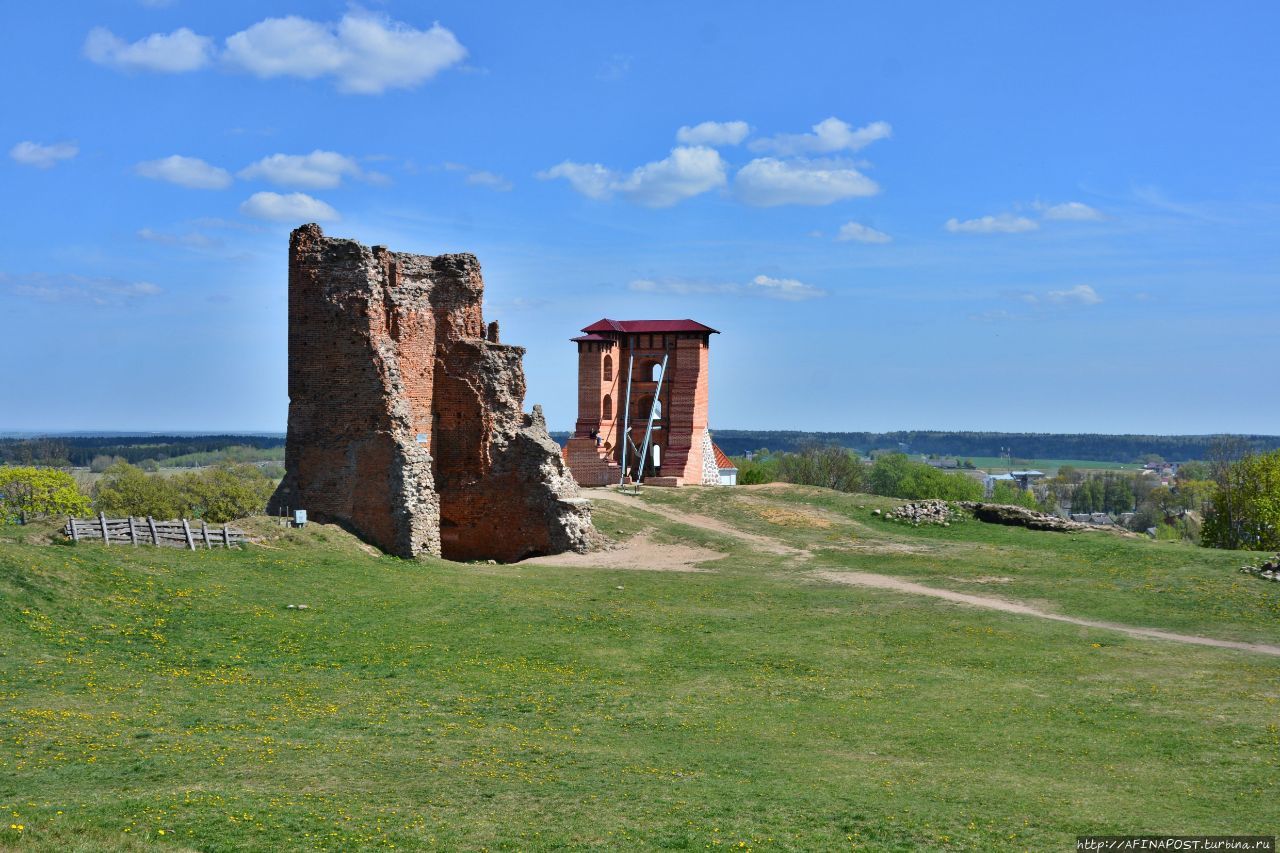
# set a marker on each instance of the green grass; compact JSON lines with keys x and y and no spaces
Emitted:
{"x":450,"y":706}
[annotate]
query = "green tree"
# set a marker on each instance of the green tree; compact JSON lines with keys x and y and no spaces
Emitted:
{"x":897,"y":476}
{"x":1006,"y":492}
{"x":829,"y":467}
{"x":126,"y":490}
{"x":1245,"y":509}
{"x":28,"y":491}
{"x":225,"y":492}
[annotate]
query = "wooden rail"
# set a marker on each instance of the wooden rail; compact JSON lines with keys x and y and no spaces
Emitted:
{"x":132,"y":531}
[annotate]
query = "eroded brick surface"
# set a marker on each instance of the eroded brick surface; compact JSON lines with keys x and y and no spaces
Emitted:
{"x":406,"y":419}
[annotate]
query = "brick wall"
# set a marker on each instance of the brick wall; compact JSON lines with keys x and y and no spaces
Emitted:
{"x":405,"y":424}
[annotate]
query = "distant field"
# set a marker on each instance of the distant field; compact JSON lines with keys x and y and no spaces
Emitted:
{"x":1049,"y":466}
{"x":154,"y":698}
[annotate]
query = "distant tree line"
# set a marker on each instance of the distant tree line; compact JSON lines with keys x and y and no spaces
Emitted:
{"x":1101,"y":448}
{"x":80,"y":451}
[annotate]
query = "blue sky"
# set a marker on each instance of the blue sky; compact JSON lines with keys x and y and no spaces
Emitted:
{"x":1005,"y":216}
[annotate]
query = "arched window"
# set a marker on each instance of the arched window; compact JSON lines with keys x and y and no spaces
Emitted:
{"x":607,"y":409}
{"x":608,"y":368}
{"x":655,"y":372}
{"x":642,"y":410}
{"x":657,"y":456}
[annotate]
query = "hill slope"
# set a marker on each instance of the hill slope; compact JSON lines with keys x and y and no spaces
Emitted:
{"x":435,"y":704}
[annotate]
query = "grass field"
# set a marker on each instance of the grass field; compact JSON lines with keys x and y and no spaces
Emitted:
{"x":162,"y":699}
{"x":1000,"y":464}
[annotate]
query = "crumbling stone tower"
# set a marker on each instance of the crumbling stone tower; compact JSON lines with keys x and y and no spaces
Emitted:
{"x":680,"y":450}
{"x":406,"y":420}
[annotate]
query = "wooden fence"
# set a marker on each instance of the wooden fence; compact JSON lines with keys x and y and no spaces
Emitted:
{"x":134,"y":531}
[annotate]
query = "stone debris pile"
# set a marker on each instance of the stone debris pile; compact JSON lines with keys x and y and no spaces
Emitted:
{"x":923,"y":512}
{"x":1269,"y":570}
{"x":1017,"y":516}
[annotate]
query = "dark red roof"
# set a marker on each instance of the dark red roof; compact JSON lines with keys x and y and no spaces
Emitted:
{"x":581,"y":338}
{"x":722,"y":461}
{"x":632,"y":327}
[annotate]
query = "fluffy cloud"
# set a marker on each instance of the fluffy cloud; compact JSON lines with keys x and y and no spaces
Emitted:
{"x":787,"y":289}
{"x":315,"y":171}
{"x":179,"y":51}
{"x":768,"y":182}
{"x":686,"y":172}
{"x":1005,"y":223}
{"x":713,"y":133}
{"x":190,"y":172}
{"x":364,"y":52}
{"x":294,"y":207}
{"x":1081,"y":294}
{"x":829,"y":135}
{"x":859,"y":233}
{"x":1071,"y":211}
{"x":43,"y":156}
{"x":79,"y":288}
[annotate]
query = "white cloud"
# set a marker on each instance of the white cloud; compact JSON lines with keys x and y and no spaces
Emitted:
{"x":191,"y":240}
{"x":480,"y":177}
{"x":681,"y":288}
{"x":1005,"y":223}
{"x":788,"y":289}
{"x":179,"y":51}
{"x":1081,"y":294}
{"x":78,"y":288}
{"x":1071,"y":211}
{"x":860,"y":233}
{"x":294,"y":207}
{"x":190,"y":172}
{"x":767,"y":182}
{"x":315,"y":171}
{"x":829,"y":135}
{"x":43,"y":156}
{"x":365,"y":53}
{"x":713,"y":133}
{"x":686,"y":172}
{"x":489,"y":180}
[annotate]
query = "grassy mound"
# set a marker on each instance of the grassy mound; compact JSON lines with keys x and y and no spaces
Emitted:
{"x":154,"y":697}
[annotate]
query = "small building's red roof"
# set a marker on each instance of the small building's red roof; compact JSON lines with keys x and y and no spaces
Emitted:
{"x":632,"y":327}
{"x":592,"y":337}
{"x":722,"y":460}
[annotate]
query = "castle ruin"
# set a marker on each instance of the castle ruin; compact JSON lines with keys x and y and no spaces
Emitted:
{"x":406,"y":421}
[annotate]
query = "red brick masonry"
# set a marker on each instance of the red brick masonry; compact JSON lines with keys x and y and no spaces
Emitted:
{"x":406,"y":421}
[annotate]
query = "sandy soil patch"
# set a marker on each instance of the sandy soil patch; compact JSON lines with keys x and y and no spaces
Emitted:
{"x":706,"y":522}
{"x":639,"y":553}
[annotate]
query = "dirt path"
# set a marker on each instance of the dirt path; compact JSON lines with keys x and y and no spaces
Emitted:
{"x":896,"y":584}
{"x":706,"y":522}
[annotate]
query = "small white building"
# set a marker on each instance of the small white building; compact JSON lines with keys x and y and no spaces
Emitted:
{"x":728,"y":471}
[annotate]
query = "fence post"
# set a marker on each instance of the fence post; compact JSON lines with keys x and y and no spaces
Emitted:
{"x":133,"y":532}
{"x":186,"y":528}
{"x":155,"y":537}
{"x":226,"y":537}
{"x":75,"y":534}
{"x":204,"y":531}
{"x":102,"y":519}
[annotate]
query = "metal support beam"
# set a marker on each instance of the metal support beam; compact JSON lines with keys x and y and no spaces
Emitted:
{"x":657,"y":395}
{"x":626,"y":421}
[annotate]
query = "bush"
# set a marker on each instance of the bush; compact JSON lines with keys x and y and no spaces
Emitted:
{"x":1007,"y":493}
{"x":894,"y":475}
{"x":28,"y":491}
{"x":828,"y":467}
{"x":218,"y":494}
{"x":101,"y":463}
{"x":1245,"y":509}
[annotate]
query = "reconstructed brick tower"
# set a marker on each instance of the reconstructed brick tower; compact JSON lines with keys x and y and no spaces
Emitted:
{"x":406,"y":420}
{"x":680,"y":449}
